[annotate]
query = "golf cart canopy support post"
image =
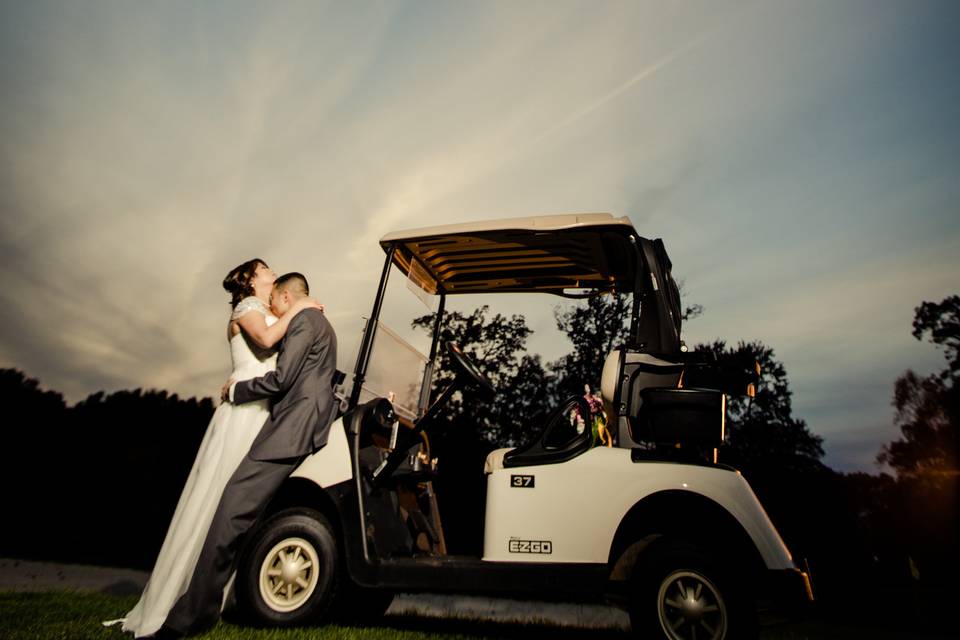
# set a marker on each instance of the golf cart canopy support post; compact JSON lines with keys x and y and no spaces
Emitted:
{"x":432,"y":360}
{"x":366,"y":345}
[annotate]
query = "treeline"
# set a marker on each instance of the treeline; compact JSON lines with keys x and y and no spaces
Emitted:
{"x":96,"y":482}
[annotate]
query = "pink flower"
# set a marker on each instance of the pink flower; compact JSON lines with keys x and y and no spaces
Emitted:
{"x":594,"y":401}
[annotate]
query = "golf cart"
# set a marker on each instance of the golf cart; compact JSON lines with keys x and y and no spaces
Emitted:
{"x":652,"y":523}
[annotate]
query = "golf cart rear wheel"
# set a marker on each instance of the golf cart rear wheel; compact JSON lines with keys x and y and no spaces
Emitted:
{"x":291,"y":573}
{"x":680,"y":593}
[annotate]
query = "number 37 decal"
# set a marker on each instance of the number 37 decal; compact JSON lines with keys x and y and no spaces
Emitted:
{"x":525,"y":482}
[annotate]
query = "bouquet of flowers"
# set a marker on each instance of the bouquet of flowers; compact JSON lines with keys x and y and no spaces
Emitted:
{"x":597,"y":419}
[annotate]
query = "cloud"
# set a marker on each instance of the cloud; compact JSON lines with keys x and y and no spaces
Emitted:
{"x":803,"y":189}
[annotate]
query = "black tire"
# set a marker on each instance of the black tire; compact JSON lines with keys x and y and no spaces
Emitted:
{"x":300,"y":593}
{"x":680,"y":592}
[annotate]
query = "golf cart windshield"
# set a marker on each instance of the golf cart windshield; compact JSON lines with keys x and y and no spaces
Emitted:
{"x":396,"y":372}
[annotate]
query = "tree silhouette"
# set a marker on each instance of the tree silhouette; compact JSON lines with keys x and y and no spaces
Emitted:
{"x":941,"y":320}
{"x":25,"y":392}
{"x":763,"y":434}
{"x":28,"y":453}
{"x":928,"y":408}
{"x":497,"y":344}
{"x":595,"y":328}
{"x":38,"y":412}
{"x":813,"y":508}
{"x":925,"y":458}
{"x":138,"y":445}
{"x":927,"y":412}
{"x":97,"y":482}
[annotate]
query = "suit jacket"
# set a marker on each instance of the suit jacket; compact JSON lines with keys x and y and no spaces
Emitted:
{"x":301,"y":390}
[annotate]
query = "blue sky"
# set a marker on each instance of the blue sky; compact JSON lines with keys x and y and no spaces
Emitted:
{"x":799,"y":159}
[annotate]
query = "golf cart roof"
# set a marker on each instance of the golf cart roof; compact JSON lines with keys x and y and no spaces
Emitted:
{"x":551,"y":254}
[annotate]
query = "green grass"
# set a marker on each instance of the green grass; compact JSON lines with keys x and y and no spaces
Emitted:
{"x":77,"y":616}
{"x":57,"y":615}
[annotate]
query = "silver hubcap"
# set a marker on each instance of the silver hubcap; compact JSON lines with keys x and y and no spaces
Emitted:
{"x":289,"y":574}
{"x":691,"y":608}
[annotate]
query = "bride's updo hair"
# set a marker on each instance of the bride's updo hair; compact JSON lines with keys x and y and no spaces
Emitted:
{"x":239,"y":282}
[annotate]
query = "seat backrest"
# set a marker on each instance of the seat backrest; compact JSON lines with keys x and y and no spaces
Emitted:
{"x":609,"y":380}
{"x":625,"y":374}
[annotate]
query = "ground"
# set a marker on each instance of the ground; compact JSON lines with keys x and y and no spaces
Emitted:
{"x":48,"y":600}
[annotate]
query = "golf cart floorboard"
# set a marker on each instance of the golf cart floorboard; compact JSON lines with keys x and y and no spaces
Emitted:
{"x":471,"y":574}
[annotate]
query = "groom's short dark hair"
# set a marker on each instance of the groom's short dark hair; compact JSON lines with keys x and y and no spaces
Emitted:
{"x":293,"y":282}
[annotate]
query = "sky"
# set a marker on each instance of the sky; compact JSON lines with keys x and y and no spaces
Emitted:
{"x":800,"y":160}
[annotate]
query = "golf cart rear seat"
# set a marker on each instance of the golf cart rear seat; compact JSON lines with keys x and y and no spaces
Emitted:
{"x":626,"y":376}
{"x":652,"y":407}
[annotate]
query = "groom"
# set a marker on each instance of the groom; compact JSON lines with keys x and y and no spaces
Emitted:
{"x":299,"y":422}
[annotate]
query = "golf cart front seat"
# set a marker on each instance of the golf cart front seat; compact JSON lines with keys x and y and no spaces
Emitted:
{"x":544,"y":451}
{"x":560,"y":440}
{"x":494,"y":460}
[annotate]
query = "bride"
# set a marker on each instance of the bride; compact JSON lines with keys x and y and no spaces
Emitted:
{"x":252,"y":332}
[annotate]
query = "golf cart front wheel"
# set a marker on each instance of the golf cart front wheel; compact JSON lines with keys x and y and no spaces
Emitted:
{"x":290,"y":573}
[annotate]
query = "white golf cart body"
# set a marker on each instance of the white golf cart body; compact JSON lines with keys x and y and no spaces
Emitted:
{"x":596,"y":490}
{"x":570,"y":520}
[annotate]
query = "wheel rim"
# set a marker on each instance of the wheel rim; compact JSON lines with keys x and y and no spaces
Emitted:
{"x":289,"y":574}
{"x":690,"y":607}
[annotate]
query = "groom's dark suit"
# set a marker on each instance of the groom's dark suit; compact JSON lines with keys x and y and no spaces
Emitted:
{"x":298,"y":425}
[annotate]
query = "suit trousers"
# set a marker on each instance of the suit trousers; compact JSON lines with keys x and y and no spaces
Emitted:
{"x":244,"y":498}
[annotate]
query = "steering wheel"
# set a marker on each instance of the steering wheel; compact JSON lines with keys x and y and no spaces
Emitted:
{"x":467,"y":370}
{"x":466,"y":373}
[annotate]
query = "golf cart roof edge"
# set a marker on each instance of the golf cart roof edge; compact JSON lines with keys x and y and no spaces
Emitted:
{"x":531,"y":223}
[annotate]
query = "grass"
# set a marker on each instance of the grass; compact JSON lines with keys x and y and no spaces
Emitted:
{"x":70,"y":615}
{"x":77,"y":616}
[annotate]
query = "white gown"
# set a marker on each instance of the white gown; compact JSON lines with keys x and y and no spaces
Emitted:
{"x":228,"y":439}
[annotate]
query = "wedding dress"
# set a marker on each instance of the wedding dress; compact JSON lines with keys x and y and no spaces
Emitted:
{"x":228,"y":439}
